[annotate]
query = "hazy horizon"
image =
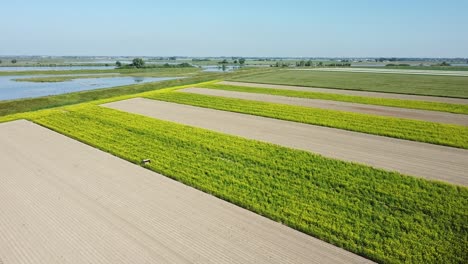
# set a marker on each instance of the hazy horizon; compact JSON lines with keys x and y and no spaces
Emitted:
{"x":420,"y":29}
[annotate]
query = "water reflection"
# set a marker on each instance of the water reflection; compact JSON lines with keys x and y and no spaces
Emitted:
{"x":219,"y":68}
{"x":56,"y":68}
{"x":10,"y":89}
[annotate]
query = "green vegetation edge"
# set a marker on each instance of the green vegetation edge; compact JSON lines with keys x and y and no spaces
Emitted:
{"x":415,"y":130}
{"x":428,"y":85}
{"x":410,"y":104}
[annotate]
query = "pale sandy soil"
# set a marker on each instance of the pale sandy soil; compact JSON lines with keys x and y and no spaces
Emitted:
{"x":62,"y":201}
{"x":431,"y":116}
{"x":351,"y":92}
{"x":408,"y":157}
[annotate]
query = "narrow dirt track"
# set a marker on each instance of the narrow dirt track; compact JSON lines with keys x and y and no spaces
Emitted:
{"x":413,"y":158}
{"x":431,"y":116}
{"x":352,"y":92}
{"x":65,"y":202}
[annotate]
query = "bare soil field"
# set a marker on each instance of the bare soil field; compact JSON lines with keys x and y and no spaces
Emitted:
{"x":65,"y":202}
{"x":351,"y":92}
{"x":408,"y":157}
{"x":431,"y":116}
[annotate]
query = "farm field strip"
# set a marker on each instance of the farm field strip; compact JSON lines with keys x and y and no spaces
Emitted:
{"x":397,"y":71}
{"x":409,"y":97}
{"x":415,"y":130}
{"x":413,"y":158}
{"x":382,"y":215}
{"x":422,"y":85}
{"x":430,"y":116}
{"x":312,"y":93}
{"x":97,"y":208}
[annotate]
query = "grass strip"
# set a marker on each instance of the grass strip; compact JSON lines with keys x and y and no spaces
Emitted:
{"x":384,"y":216}
{"x":103,"y":71}
{"x":411,"y":104}
{"x":59,"y":78}
{"x":175,"y":72}
{"x":422,"y":131}
{"x":445,"y":86}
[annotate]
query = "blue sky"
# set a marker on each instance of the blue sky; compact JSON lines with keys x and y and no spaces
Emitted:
{"x":336,"y":28}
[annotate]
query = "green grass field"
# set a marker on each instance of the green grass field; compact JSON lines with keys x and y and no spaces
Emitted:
{"x":431,"y":68}
{"x":174,"y":72}
{"x":143,"y":71}
{"x":385,"y":216}
{"x":433,"y":106}
{"x":65,"y":78}
{"x":447,"y":86}
{"x":435,"y":133}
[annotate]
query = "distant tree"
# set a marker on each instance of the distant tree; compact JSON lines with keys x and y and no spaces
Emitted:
{"x":320,"y":64}
{"x":118,"y":64}
{"x":241,"y":61}
{"x":0,"y":61}
{"x":138,"y":62}
{"x":14,"y":61}
{"x":224,"y":61}
{"x":235,"y":62}
{"x":444,"y":64}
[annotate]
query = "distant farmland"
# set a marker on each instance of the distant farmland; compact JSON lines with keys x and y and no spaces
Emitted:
{"x":447,"y":86}
{"x":392,"y":190}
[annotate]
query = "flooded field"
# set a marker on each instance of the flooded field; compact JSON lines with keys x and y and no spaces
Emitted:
{"x":56,"y":68}
{"x":11,"y":89}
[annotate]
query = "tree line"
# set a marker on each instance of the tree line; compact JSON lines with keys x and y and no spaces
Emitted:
{"x":140,"y":63}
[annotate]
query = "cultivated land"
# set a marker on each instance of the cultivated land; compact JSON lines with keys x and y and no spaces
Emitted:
{"x":382,"y":215}
{"x":425,"y":160}
{"x":389,"y":70}
{"x":375,"y":213}
{"x":82,"y":206}
{"x":422,"y":131}
{"x":445,"y":86}
{"x":367,"y":95}
{"x":430,"y":116}
{"x":310,"y":93}
{"x":430,"y":68}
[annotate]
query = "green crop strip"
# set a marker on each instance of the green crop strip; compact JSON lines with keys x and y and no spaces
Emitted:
{"x":441,"y":134}
{"x":446,"y":86}
{"x":422,"y":105}
{"x":385,"y":216}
